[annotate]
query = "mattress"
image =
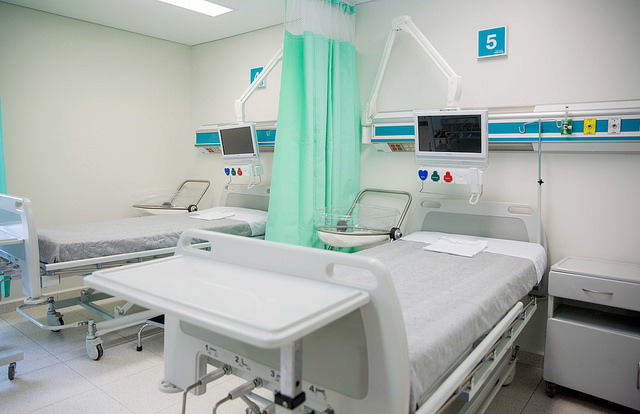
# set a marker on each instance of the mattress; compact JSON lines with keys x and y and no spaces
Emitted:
{"x":449,"y":301}
{"x":83,"y":241}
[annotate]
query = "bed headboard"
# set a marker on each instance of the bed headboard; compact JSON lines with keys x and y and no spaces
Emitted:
{"x":485,"y":219}
{"x":239,"y":195}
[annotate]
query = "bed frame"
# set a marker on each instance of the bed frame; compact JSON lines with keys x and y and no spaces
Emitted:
{"x":348,"y":332}
{"x":19,"y":245}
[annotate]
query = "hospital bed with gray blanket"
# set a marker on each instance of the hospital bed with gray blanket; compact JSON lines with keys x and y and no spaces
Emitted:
{"x":393,"y":329}
{"x":47,"y":255}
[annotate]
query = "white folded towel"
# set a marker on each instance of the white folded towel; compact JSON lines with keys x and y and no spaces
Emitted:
{"x":212,"y":215}
{"x":458,"y":247}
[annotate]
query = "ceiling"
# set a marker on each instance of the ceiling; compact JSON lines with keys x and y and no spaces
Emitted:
{"x":164,"y":21}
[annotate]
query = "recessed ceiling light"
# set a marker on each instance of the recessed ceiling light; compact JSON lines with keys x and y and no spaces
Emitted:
{"x":199,"y":6}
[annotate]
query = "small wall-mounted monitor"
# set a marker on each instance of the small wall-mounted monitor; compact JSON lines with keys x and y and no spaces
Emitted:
{"x":452,"y":137}
{"x":238,"y":142}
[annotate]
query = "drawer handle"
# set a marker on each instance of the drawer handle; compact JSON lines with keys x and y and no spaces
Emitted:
{"x":638,"y":380}
{"x":597,"y":291}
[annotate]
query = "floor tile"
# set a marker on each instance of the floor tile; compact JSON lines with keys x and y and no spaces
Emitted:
{"x":10,"y":337}
{"x":41,"y":388}
{"x":139,"y":392}
{"x":567,"y":401}
{"x":118,"y":362}
{"x":94,"y":402}
{"x":35,"y":358}
{"x":502,"y":404}
{"x":524,"y":384}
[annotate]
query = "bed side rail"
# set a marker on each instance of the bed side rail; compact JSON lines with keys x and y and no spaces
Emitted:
{"x":16,"y":220}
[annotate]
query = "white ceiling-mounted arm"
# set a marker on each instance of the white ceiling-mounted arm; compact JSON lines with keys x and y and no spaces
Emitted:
{"x":254,"y":85}
{"x":454,"y":81}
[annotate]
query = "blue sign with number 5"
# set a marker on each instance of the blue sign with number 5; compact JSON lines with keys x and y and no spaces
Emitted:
{"x":492,"y":42}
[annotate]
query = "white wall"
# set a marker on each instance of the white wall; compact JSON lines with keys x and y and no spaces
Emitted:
{"x":220,"y":74}
{"x":590,"y":200}
{"x":91,"y":115}
{"x":559,"y":52}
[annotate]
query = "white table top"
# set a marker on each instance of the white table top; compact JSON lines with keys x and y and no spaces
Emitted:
{"x":262,"y":308}
{"x":625,"y":272}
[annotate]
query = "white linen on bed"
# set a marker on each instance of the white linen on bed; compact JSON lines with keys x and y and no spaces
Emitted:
{"x":449,"y":301}
{"x":87,"y":240}
{"x":256,"y":219}
{"x":525,"y":250}
{"x":459,"y":247}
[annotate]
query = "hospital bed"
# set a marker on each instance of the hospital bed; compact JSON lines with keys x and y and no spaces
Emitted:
{"x":392,"y":329}
{"x":47,"y":255}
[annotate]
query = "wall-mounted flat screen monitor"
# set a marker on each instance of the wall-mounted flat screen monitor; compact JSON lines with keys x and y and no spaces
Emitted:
{"x":452,"y":137}
{"x":239,"y":142}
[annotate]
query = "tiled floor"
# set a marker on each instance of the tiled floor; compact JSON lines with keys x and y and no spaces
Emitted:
{"x":56,"y":376}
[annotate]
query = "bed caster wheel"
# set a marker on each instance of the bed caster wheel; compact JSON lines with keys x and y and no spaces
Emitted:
{"x":550,"y":389}
{"x":96,"y":352}
{"x":395,"y":233}
{"x":12,"y":371}
{"x":192,"y":208}
{"x":93,"y":344}
{"x":59,"y":322}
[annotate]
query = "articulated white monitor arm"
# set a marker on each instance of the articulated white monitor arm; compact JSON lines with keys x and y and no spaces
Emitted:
{"x":454,"y":81}
{"x":239,"y":106}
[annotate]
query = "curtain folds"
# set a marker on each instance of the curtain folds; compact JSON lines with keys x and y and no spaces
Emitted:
{"x":317,"y":154}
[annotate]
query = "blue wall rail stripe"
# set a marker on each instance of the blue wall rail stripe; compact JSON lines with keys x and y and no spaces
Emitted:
{"x":406,"y":133}
{"x":566,"y":138}
{"x":394,"y":130}
{"x":212,"y":139}
{"x":630,"y":125}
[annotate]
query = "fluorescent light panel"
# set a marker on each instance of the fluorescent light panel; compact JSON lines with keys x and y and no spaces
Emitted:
{"x":199,"y":6}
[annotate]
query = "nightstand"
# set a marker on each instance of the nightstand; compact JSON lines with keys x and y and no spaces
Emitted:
{"x":593,"y":329}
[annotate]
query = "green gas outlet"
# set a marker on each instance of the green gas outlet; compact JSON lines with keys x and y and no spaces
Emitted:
{"x":567,"y":127}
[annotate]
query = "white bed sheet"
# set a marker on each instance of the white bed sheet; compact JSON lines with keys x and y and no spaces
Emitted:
{"x":525,"y":250}
{"x":65,"y":243}
{"x":256,"y":219}
{"x":449,"y":301}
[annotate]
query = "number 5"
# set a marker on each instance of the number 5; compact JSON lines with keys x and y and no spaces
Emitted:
{"x":491,"y":41}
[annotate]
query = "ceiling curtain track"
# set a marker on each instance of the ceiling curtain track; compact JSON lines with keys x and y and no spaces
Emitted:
{"x":317,"y":156}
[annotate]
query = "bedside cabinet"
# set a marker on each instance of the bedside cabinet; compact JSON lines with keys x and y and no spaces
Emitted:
{"x":593,"y":330}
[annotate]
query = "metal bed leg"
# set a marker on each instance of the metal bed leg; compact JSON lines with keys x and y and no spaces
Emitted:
{"x":139,"y":346}
{"x":158,"y":321}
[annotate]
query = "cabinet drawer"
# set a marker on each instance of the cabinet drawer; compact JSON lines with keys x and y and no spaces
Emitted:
{"x":594,"y":360}
{"x":607,"y":292}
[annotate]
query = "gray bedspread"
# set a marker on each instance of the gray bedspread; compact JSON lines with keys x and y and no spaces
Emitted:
{"x":84,"y":241}
{"x":449,"y":301}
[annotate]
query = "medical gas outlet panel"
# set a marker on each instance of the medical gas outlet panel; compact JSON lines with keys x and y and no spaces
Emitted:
{"x":243,"y":170}
{"x":464,"y":176}
{"x":443,"y":175}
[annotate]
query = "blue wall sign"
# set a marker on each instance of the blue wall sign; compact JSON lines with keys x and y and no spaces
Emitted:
{"x":254,"y":73}
{"x":492,"y":42}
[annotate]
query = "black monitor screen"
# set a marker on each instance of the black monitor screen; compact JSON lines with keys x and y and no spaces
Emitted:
{"x":237,"y":141}
{"x":451,"y":133}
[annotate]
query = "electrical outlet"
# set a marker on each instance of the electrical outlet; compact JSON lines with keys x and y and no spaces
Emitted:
{"x":614,"y":125}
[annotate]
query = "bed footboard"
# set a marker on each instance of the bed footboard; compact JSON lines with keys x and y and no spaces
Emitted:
{"x":264,"y":309}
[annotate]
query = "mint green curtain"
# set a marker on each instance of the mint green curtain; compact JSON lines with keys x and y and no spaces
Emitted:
{"x":317,"y":153}
{"x":3,"y":174}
